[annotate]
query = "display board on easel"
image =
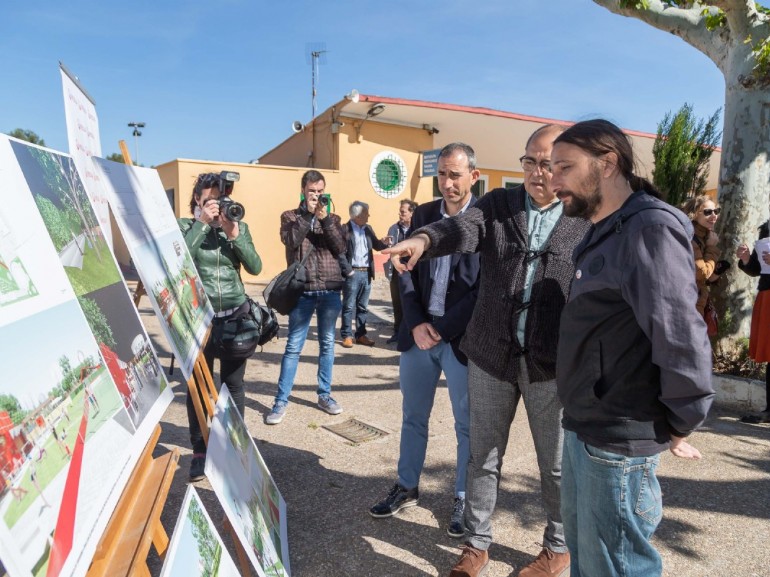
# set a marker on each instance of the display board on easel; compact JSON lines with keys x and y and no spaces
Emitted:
{"x":85,"y":142}
{"x":248,"y":494}
{"x":160,"y":255}
{"x":83,"y":388}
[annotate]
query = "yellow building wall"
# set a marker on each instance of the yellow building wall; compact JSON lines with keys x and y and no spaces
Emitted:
{"x":355,"y":163}
{"x":264,"y":191}
{"x":352,"y":150}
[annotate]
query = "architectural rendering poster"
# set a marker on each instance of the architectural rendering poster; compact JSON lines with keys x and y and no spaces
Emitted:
{"x":246,"y":490}
{"x":160,"y":255}
{"x":196,"y":550}
{"x":82,"y":388}
{"x":84,"y":142}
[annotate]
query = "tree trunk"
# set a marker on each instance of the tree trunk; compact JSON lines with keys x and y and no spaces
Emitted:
{"x":743,"y":187}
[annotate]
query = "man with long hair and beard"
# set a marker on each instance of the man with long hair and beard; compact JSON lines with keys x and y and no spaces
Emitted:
{"x":633,"y":367}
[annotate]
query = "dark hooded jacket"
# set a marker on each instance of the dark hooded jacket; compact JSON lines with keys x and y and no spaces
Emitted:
{"x":634,"y":361}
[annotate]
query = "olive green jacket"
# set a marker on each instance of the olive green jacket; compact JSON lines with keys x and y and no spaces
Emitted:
{"x":219,"y":260}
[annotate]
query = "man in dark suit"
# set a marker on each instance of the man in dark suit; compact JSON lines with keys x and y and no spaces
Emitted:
{"x":359,"y":275}
{"x":525,"y":243}
{"x":437,"y":297}
{"x":396,"y":233}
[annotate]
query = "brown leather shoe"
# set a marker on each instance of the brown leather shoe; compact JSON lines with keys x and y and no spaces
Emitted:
{"x":547,"y":564}
{"x":472,"y":563}
{"x":347,"y":342}
{"x":364,"y":340}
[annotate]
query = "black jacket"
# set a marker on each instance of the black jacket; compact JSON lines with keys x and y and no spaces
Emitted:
{"x":753,"y":267}
{"x":372,"y":243}
{"x":634,"y":360}
{"x":416,"y":286}
{"x":496,"y":228}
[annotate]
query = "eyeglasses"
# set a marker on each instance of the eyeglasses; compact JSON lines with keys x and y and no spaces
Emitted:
{"x":710,"y":211}
{"x":529,"y":164}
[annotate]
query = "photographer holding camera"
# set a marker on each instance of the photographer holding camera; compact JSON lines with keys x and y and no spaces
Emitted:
{"x":312,"y":231}
{"x":219,"y":244}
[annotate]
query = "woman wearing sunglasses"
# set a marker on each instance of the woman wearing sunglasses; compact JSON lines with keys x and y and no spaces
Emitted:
{"x":703,"y":213}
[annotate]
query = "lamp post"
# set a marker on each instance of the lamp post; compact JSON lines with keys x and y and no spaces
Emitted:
{"x":137,"y":133}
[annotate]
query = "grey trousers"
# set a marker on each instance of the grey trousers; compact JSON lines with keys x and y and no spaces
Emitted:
{"x":493,"y":406}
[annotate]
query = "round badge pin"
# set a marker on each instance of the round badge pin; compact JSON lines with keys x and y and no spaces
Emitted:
{"x":578,"y":274}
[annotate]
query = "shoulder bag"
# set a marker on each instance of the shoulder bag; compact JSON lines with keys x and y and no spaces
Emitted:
{"x":283,"y":292}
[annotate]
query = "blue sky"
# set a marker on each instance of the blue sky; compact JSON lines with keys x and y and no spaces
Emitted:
{"x":224,"y":79}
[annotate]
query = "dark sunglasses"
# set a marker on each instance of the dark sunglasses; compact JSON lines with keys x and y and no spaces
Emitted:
{"x":710,"y":211}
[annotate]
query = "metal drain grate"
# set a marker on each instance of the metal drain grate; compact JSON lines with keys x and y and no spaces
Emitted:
{"x":356,"y":431}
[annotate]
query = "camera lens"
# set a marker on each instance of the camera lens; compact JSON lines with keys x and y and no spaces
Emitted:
{"x":323,"y":200}
{"x":233,"y":211}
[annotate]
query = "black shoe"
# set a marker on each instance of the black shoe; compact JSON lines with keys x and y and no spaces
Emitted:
{"x":754,"y":418}
{"x":197,"y":467}
{"x":456,"y":527}
{"x":392,"y":339}
{"x":397,"y":499}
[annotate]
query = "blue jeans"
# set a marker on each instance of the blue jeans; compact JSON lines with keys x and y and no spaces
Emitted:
{"x":419,"y":375}
{"x":611,"y":505}
{"x":327,"y":305}
{"x":355,"y":299}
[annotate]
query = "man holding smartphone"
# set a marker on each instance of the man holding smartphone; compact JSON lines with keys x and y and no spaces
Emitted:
{"x":311,"y":228}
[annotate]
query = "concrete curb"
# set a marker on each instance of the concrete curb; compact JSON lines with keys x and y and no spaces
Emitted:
{"x":740,"y":392}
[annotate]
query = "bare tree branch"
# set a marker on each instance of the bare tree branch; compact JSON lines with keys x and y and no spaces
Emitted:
{"x":739,"y":14}
{"x":687,"y":23}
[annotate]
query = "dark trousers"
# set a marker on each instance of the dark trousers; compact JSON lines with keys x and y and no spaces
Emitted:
{"x":767,"y":386}
{"x":395,"y":297}
{"x":231,"y":372}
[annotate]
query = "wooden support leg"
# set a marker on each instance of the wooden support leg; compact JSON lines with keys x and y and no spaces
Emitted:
{"x":243,"y":559}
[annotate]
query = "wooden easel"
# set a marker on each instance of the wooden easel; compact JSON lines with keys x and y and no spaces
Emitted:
{"x":135,"y":524}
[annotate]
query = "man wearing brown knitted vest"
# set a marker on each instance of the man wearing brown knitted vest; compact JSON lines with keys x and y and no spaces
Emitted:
{"x":526,"y":268}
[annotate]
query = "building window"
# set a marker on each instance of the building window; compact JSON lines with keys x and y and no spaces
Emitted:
{"x":478,"y":190}
{"x":387,"y":174}
{"x":512,"y":181}
{"x":481,"y":187}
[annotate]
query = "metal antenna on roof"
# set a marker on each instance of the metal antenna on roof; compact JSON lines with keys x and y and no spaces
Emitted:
{"x":315,"y":55}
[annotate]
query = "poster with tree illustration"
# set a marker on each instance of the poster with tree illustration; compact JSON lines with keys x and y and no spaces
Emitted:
{"x":83,"y":388}
{"x":160,"y":255}
{"x":196,"y":549}
{"x":248,"y":494}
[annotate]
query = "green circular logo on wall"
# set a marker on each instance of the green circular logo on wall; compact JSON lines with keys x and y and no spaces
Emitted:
{"x":388,"y":174}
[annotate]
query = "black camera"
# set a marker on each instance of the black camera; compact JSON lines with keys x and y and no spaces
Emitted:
{"x":231,"y":210}
{"x":227,"y":180}
{"x":324,"y":199}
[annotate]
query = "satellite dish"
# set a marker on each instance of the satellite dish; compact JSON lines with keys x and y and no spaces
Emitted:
{"x":297,"y":126}
{"x":353,"y":96}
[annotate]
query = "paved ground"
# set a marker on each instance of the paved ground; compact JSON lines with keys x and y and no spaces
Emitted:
{"x":716,"y":511}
